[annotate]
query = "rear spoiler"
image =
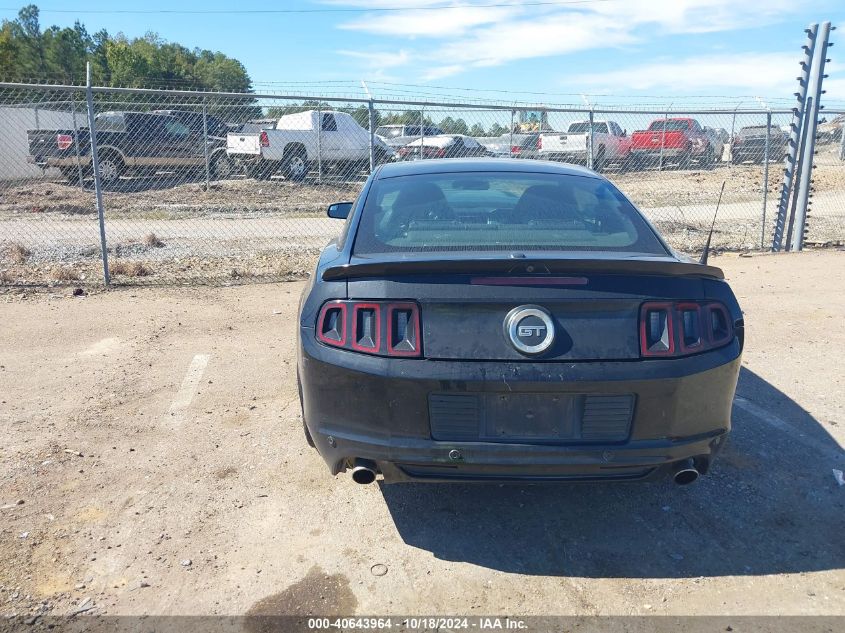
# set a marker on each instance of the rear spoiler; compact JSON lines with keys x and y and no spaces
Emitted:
{"x":391,"y":268}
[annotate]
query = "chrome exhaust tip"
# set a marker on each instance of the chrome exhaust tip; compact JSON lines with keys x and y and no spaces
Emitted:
{"x":363,"y":471}
{"x":685,"y":473}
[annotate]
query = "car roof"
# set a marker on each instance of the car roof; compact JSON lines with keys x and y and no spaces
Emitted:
{"x":460,"y":165}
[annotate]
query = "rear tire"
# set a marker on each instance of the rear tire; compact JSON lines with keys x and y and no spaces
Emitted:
{"x":221,"y":167}
{"x":111,"y":169}
{"x":295,"y":167}
{"x":599,"y":161}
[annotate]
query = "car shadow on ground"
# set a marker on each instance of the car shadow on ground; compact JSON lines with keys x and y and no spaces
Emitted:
{"x":769,"y":505}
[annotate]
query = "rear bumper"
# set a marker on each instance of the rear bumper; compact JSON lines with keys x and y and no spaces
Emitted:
{"x":51,"y":161}
{"x":655,"y":154}
{"x":358,"y":406}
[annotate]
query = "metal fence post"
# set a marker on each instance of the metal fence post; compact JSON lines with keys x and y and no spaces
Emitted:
{"x":842,"y":141}
{"x":796,"y":127}
{"x":809,"y":151}
{"x":422,"y":133}
{"x":765,"y":178}
{"x":319,"y":142}
{"x":372,"y":112}
{"x":510,"y":145}
{"x":663,"y":141}
{"x":799,"y":170}
{"x":76,"y":143}
{"x":205,"y":144}
{"x":590,"y":162}
{"x":95,"y":161}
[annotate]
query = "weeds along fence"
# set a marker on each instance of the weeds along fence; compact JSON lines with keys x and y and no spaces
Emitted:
{"x":187,"y":193}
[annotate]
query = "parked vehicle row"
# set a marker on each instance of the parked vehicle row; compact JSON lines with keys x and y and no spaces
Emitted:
{"x":134,"y":143}
{"x":291,"y":146}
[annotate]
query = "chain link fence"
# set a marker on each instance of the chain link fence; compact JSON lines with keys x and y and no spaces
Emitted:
{"x":225,"y":188}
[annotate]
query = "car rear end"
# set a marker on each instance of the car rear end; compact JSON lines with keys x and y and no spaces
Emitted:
{"x":425,"y":366}
{"x":57,"y":148}
{"x":568,"y":147}
{"x":664,"y":140}
{"x":246,"y":148}
{"x":750,"y":145}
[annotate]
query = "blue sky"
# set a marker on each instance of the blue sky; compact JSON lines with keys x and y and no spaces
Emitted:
{"x":648,"y":51}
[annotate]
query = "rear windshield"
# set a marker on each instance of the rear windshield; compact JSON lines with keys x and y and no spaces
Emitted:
{"x":493,"y":211}
{"x":583,"y":127}
{"x":671,"y":126}
{"x":389,"y":132}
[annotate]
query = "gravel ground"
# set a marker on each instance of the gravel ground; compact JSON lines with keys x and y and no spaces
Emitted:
{"x":119,"y":496}
{"x":247,"y":229}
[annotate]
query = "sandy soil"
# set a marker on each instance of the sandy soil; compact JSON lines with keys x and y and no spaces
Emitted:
{"x":153,"y":463}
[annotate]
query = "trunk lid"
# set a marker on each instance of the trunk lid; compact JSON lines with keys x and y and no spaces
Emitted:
{"x":594,"y":308}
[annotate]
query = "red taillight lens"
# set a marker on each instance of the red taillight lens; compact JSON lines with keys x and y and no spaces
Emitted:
{"x":516,"y":149}
{"x":264,"y":139}
{"x":681,"y":328}
{"x":64,"y":141}
{"x":331,"y":324}
{"x":371,"y":327}
{"x":539,"y":142}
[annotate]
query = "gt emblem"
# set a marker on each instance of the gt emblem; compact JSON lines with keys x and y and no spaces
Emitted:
{"x":530,"y":329}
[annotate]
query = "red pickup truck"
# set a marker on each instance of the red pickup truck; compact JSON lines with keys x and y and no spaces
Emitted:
{"x":679,"y":142}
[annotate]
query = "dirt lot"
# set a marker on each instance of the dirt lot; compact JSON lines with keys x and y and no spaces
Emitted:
{"x":273,"y":229}
{"x":154,"y":463}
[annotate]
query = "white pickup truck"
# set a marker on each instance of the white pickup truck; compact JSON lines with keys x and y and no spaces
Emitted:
{"x":299,"y":140}
{"x":611,"y":144}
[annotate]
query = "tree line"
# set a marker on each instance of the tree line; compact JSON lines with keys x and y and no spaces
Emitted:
{"x":59,"y":55}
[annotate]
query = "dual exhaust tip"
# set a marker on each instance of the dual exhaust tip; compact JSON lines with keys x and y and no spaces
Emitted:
{"x":364,"y":472}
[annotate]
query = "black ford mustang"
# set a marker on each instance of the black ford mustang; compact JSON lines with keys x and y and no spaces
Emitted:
{"x":498,"y":319}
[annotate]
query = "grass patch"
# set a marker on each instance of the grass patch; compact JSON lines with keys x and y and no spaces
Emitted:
{"x":17,"y":253}
{"x":129,"y":269}
{"x":64,"y":273}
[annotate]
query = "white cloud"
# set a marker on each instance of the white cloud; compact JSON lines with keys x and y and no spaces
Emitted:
{"x":476,"y":36}
{"x":447,"y":24}
{"x":771,"y":73}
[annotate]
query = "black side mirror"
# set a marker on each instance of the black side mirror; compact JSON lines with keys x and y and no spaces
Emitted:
{"x":339,"y":210}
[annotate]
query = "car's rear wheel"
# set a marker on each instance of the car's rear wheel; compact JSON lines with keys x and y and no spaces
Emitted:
{"x":111,"y":169}
{"x":599,"y":160}
{"x":295,"y":167}
{"x":221,"y":167}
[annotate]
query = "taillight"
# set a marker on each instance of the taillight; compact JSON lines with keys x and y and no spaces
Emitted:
{"x":382,"y":328}
{"x":434,"y":152}
{"x":539,"y":142}
{"x":681,"y":328}
{"x":64,"y":141}
{"x":516,"y":149}
{"x":263,"y":139}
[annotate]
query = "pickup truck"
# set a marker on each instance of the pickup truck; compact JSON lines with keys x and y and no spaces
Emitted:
{"x":291,"y":147}
{"x":750,"y":144}
{"x":610,"y":144}
{"x":135,"y":143}
{"x":677,"y":141}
